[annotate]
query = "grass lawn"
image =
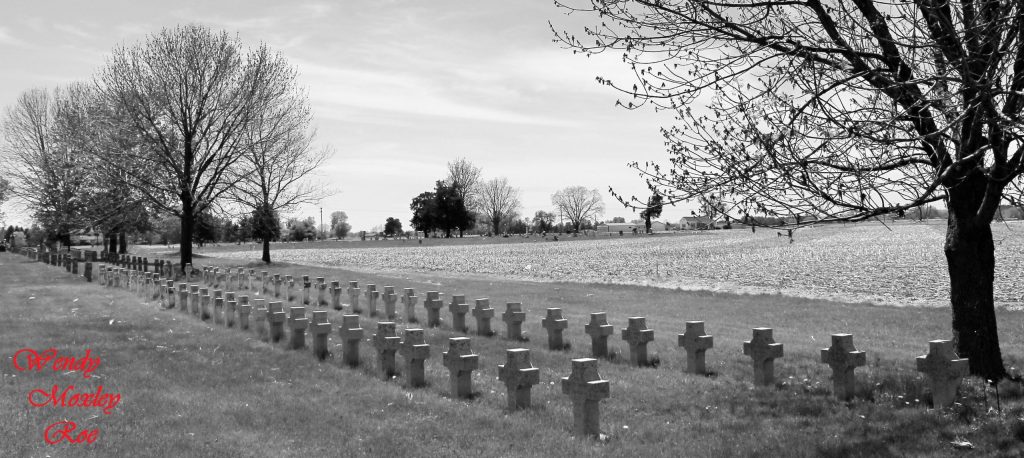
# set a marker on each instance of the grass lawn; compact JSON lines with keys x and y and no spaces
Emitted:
{"x":191,"y":388}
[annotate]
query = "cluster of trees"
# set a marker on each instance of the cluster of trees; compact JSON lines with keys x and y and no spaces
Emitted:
{"x":464,"y":201}
{"x":187,"y":123}
{"x":845,"y":110}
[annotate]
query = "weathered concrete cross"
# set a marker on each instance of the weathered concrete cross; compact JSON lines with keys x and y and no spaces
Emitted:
{"x":433,"y":304}
{"x":697,"y":343}
{"x":244,"y":309}
{"x":598,"y":329}
{"x":298,"y":323}
{"x":415,"y":350}
{"x":459,"y":308}
{"x":637,"y":335}
{"x":353,"y":297}
{"x":387,"y":344}
{"x":372,"y":295}
{"x":276,"y":318}
{"x":351,"y":334}
{"x":461,"y":362}
{"x":514,"y":316}
{"x":483,"y":313}
{"x":519,"y":376}
{"x":409,"y":301}
{"x":843,"y":358}
{"x":763,"y":350}
{"x":555,"y":325}
{"x":390,"y":298}
{"x":586,"y":388}
{"x":944,"y":369}
{"x":321,"y":330}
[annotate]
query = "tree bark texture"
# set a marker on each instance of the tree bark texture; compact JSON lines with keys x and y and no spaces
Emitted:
{"x":970,"y":257}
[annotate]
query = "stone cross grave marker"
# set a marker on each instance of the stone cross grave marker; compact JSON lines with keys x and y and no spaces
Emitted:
{"x":351,"y":333}
{"x":514,"y":316}
{"x":697,"y":343}
{"x":944,"y":370}
{"x":218,"y":310}
{"x":321,"y":330}
{"x":409,"y":300}
{"x":172,"y":294}
{"x":459,"y":308}
{"x":763,"y":350}
{"x":193,"y":305}
{"x":353,"y":297}
{"x":386,"y":342}
{"x":415,"y":350}
{"x":585,"y":387}
{"x":261,"y":319}
{"x":372,"y":295}
{"x":204,"y":304}
{"x":298,"y":323}
{"x":433,"y":304}
{"x":843,"y":358}
{"x":483,"y":313}
{"x":637,"y":335}
{"x":183,"y":297}
{"x":335,"y":296}
{"x":321,"y":292}
{"x":461,"y":362}
{"x":276,"y":318}
{"x":244,"y":309}
{"x":252,"y":277}
{"x":389,"y":298}
{"x":264,"y":282}
{"x":306,"y":285}
{"x":598,"y":329}
{"x":519,"y":376}
{"x":555,"y":325}
{"x":277,"y":287}
{"x":230,"y":309}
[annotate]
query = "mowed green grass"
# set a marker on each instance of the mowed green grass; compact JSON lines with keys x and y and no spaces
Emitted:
{"x":192,"y":388}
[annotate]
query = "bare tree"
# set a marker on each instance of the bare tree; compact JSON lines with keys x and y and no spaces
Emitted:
{"x":578,"y":204}
{"x":463,"y":173}
{"x":272,"y":176}
{"x":191,"y":96}
{"x":499,"y":201}
{"x":44,"y":153}
{"x":844,"y":109}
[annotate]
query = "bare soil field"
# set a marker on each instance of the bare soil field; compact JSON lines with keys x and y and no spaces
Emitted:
{"x":897,"y":264}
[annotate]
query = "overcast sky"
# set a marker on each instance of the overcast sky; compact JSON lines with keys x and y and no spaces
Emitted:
{"x":398,"y":89}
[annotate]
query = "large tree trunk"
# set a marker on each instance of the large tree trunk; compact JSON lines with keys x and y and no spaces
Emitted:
{"x":266,"y":250}
{"x":122,"y":242}
{"x":187,"y":223}
{"x":970,"y":256}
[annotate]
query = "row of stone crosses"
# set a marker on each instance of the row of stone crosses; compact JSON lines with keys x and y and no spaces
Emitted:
{"x":584,"y":385}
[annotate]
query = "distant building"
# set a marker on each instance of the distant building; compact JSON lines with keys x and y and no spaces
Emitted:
{"x":696,"y":223}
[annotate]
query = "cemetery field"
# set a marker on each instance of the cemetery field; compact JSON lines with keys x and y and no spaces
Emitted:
{"x":895,"y":264}
{"x":193,"y":388}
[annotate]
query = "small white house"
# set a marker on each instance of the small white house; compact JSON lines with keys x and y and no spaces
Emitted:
{"x":694,"y":223}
